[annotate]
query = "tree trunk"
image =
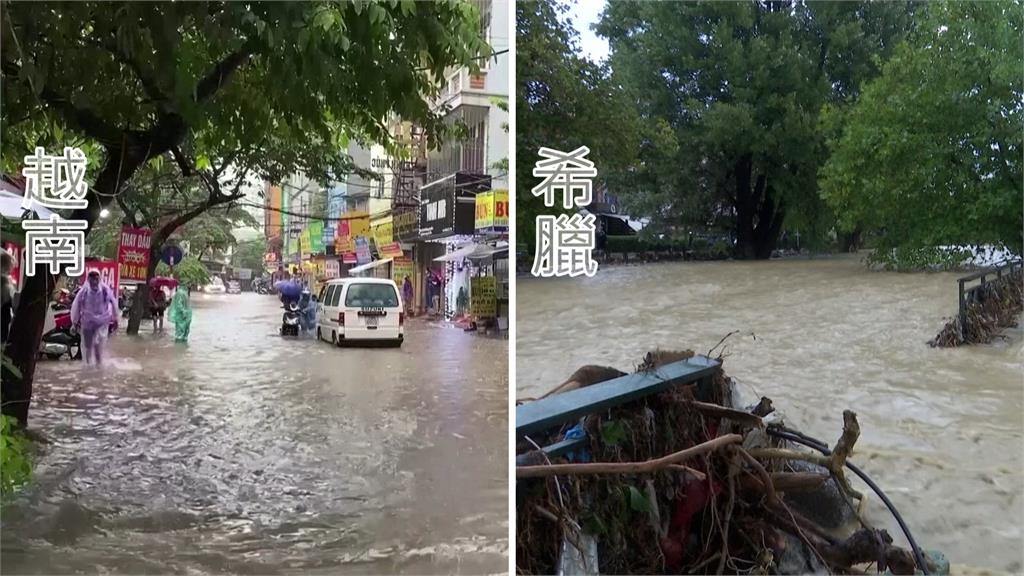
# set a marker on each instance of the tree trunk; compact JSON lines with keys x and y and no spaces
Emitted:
{"x":852,"y":240}
{"x":27,"y":325}
{"x":142,"y":294}
{"x":759,"y":215}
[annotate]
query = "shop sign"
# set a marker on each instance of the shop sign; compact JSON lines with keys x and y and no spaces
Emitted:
{"x":492,"y":211}
{"x":349,"y":258}
{"x":304,"y":243}
{"x":405,"y":224}
{"x":133,"y":254}
{"x":447,"y":206}
{"x":352,"y":225}
{"x":400,"y":269}
{"x":332,"y":269}
{"x":483,"y":300}
{"x":316,"y":237}
{"x":363,"y":255}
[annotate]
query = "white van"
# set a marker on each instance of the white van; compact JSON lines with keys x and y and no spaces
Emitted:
{"x":355,"y":309}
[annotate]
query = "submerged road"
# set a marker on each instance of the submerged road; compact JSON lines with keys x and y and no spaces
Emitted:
{"x":245,"y":453}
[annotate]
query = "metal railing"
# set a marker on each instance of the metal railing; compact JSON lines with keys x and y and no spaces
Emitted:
{"x":970,"y":286}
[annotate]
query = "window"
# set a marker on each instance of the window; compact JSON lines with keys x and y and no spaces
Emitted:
{"x":371,"y":295}
{"x":336,"y":297}
{"x":322,"y":297}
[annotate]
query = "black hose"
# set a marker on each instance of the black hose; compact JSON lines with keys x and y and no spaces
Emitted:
{"x":800,"y":438}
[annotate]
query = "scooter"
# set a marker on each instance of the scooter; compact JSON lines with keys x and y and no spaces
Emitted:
{"x":291,"y":319}
{"x":62,"y":339}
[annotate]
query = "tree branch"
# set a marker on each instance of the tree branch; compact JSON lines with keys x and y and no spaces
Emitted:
{"x":222,"y":72}
{"x":149,"y":85}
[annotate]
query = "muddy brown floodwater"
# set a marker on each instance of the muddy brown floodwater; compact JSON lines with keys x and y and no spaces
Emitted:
{"x":245,"y":453}
{"x":941,"y":429}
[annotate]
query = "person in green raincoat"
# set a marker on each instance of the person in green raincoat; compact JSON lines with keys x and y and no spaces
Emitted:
{"x":181,"y":315}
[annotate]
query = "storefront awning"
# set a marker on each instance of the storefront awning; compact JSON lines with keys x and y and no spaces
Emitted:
{"x":459,"y":254}
{"x":368,"y":266}
{"x":487,"y":252}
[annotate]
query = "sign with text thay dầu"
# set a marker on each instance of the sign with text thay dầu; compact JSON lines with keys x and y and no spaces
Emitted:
{"x":133,"y":254}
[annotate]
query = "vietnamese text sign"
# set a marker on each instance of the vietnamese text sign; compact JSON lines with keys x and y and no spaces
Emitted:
{"x":401,"y":268}
{"x":363,"y":255}
{"x":332,"y":269}
{"x":483,"y":300}
{"x":107,"y":271}
{"x":133,"y":254}
{"x":316,"y":237}
{"x":492,"y":210}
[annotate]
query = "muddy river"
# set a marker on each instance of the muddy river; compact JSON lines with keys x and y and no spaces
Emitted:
{"x":245,"y":453}
{"x":942,"y":431}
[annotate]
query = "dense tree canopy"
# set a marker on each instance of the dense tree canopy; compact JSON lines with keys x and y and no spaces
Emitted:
{"x":931,"y":153}
{"x":740,"y":86}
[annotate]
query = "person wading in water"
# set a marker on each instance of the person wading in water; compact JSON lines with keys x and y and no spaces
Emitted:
{"x":92,"y":312}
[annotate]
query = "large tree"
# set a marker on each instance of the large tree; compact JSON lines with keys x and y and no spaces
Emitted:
{"x":563,"y":101}
{"x":741,"y":85}
{"x":931,"y":153}
{"x":277,"y":86}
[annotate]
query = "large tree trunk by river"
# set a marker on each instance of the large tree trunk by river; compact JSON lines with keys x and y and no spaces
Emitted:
{"x":759,"y":212}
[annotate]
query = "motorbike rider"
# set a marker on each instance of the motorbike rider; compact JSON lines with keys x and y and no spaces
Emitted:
{"x":307,"y":308}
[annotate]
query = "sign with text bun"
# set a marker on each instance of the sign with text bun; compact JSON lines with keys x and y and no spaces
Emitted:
{"x":492,"y":211}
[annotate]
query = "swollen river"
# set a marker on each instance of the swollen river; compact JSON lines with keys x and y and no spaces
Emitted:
{"x":245,"y":453}
{"x":941,"y":429}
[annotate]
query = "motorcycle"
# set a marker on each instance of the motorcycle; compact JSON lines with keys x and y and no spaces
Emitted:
{"x":260,"y":286}
{"x":291,"y":319}
{"x":63,"y":338}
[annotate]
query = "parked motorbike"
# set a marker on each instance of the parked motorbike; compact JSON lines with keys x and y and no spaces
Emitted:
{"x":63,"y":338}
{"x":260,"y":286}
{"x":291,"y":319}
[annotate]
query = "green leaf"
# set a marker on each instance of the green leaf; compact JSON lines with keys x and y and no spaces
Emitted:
{"x":637,"y":501}
{"x":613,"y":433}
{"x":324,"y":19}
{"x":202,"y":162}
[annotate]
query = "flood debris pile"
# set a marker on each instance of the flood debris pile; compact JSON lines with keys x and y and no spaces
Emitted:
{"x":997,"y":305}
{"x":686,"y":482}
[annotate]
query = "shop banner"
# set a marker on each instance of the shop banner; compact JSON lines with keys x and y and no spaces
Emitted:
{"x":304,"y":243}
{"x":107,"y":270}
{"x":17,"y":253}
{"x":349,"y":258}
{"x":363,"y":255}
{"x":316,"y":237}
{"x":492,"y":211}
{"x":483,"y":301}
{"x":332,"y":269}
{"x":405,"y":224}
{"x":383,"y":234}
{"x":133,"y":254}
{"x":401,"y":268}
{"x":353,"y":225}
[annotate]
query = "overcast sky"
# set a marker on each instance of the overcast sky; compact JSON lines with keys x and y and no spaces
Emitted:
{"x":583,"y":14}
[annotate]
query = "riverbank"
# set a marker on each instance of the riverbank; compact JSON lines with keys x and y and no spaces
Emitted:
{"x":942,"y":428}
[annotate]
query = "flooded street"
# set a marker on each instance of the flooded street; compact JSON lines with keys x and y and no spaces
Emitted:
{"x":941,"y":429}
{"x":245,"y":453}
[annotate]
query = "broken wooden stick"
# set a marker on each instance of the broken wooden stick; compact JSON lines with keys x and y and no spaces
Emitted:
{"x":728,"y":413}
{"x":628,"y":467}
{"x":837,"y":464}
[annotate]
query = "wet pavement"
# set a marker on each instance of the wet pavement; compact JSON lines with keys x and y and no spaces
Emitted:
{"x":245,"y":453}
{"x":941,"y":429}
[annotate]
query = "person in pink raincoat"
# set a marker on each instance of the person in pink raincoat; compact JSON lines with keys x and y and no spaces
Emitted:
{"x":92,"y":312}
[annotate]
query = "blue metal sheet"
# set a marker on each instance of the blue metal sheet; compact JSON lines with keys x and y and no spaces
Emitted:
{"x":547,"y":413}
